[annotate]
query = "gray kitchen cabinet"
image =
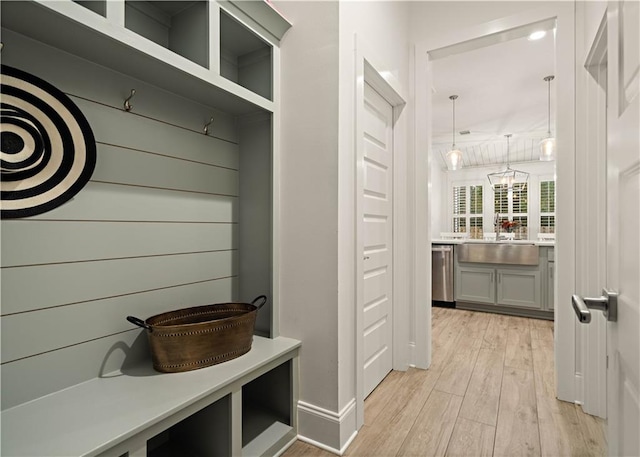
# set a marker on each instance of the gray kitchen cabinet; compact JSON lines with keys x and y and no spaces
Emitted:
{"x":507,"y":288}
{"x":551,"y":270}
{"x":520,"y":288}
{"x":551,"y":278}
{"x":475,"y":284}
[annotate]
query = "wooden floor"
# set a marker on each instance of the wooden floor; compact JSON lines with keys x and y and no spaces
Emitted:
{"x":489,"y":392}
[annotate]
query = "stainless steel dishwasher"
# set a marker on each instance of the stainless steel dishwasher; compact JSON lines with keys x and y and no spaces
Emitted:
{"x":442,"y":273}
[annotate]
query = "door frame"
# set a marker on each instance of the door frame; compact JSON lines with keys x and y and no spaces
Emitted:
{"x":367,"y":71}
{"x":467,"y":38}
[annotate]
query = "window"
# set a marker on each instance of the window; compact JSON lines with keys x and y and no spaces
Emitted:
{"x":475,"y":208}
{"x":520,"y":196}
{"x":459,"y":209}
{"x":500,"y":199}
{"x":475,"y":228}
{"x":525,"y":210}
{"x":513,"y":207}
{"x":547,"y":206}
{"x":467,"y":210}
{"x":459,"y":200}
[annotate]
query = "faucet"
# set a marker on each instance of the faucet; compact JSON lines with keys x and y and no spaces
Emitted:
{"x":496,"y":223}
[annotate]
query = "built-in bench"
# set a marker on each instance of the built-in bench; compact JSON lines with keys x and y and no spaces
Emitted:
{"x":240,"y":407}
{"x":205,"y":109}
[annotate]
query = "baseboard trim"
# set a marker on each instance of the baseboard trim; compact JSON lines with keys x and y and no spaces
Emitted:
{"x":327,"y":448}
{"x":349,"y":441}
{"x":327,"y":429}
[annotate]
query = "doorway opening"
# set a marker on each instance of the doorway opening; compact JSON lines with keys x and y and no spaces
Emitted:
{"x":504,"y":112}
{"x":563,"y":18}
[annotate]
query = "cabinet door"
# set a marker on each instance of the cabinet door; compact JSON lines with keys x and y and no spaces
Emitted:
{"x":551,"y":272}
{"x":475,"y":284}
{"x":519,"y":288}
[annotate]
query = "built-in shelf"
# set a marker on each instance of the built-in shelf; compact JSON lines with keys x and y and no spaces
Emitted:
{"x":97,"y":6}
{"x":243,"y":406}
{"x":207,"y":432}
{"x":181,"y":26}
{"x":245,"y":58}
{"x":86,"y":34}
{"x":267,"y":434}
{"x":267,"y":410}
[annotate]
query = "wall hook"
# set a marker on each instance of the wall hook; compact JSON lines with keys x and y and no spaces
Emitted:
{"x":127,"y":104}
{"x":206,"y":126}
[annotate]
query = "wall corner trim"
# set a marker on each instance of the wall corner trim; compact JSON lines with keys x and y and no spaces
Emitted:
{"x":327,"y":429}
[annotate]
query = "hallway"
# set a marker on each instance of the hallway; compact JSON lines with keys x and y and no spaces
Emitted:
{"x":489,"y":391}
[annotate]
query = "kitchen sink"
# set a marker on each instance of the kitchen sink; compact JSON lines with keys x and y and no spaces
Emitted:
{"x":505,"y":252}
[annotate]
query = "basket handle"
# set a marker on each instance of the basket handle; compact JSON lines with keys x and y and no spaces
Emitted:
{"x":139,"y":322}
{"x":262,"y":299}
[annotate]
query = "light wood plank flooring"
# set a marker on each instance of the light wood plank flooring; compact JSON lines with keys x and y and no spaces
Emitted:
{"x":489,"y":392}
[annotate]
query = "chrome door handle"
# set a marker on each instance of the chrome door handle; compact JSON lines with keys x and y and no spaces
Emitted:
{"x":608,"y":304}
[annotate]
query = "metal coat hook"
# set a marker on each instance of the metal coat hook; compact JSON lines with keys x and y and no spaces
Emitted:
{"x":206,"y":126}
{"x":127,"y":104}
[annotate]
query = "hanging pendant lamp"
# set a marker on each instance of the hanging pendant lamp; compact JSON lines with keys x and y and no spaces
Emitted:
{"x":548,"y":145}
{"x":508,"y":176}
{"x":454,"y":156}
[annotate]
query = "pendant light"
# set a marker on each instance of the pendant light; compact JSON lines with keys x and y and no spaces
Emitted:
{"x":508,"y":176}
{"x":454,"y":156}
{"x":548,"y":145}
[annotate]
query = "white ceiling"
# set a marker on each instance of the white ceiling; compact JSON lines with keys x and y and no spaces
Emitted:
{"x":500,"y":90}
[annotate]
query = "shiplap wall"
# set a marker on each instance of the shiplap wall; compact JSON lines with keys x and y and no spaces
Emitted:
{"x":156,"y":229}
{"x":255,"y":211}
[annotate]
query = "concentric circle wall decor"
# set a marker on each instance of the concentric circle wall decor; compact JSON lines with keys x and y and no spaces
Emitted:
{"x":48,"y":149}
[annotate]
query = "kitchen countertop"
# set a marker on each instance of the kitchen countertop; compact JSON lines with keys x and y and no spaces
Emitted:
{"x":535,"y":242}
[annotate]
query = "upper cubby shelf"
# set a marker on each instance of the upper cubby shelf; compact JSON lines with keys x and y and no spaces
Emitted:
{"x":245,"y":58}
{"x":171,"y":44}
{"x":98,"y":7}
{"x":182,"y":27}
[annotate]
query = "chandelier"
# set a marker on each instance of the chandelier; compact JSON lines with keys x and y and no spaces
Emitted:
{"x":509,"y":175}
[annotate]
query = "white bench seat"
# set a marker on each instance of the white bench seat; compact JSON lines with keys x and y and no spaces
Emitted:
{"x":120,"y":412}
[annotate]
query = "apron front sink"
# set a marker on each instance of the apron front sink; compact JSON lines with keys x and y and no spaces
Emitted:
{"x":501,"y":252}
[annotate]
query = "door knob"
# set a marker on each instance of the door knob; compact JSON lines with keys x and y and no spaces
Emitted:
{"x":608,"y":304}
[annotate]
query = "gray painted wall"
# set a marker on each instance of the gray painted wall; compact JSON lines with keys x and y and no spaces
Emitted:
{"x":309,"y":195}
{"x":318,"y":194}
{"x":156,"y":229}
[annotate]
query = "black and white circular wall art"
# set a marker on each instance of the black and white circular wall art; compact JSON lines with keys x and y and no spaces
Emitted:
{"x":48,"y":148}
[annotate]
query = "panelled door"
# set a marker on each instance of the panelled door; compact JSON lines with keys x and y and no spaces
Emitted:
{"x":378,"y":236}
{"x":623,"y":233}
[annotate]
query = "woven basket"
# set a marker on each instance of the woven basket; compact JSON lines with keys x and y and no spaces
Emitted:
{"x":198,"y":337}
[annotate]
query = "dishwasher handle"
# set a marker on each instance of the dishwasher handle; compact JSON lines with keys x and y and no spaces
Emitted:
{"x":441,"y":249}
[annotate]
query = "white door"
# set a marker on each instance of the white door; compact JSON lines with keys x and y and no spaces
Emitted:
{"x":591,"y":252}
{"x":378,"y":233}
{"x":623,"y":226}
